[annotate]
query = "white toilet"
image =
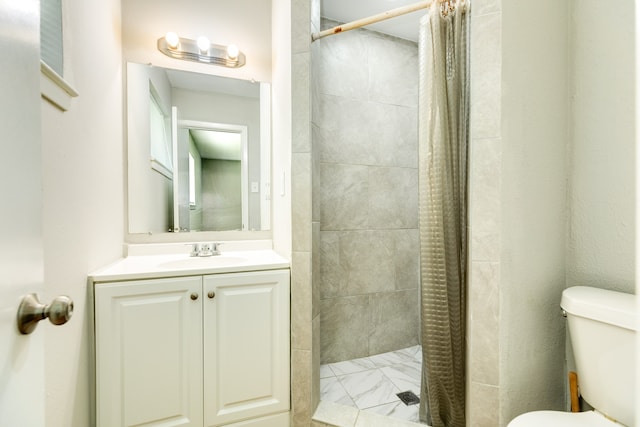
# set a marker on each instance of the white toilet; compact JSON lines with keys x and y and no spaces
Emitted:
{"x":602,"y":327}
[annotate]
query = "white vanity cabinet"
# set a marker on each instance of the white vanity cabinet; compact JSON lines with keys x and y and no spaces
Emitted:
{"x":199,"y":351}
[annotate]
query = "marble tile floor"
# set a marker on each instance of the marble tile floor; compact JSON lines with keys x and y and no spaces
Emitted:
{"x":370,"y":384}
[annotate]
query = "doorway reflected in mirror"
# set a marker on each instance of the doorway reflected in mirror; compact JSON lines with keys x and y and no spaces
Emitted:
{"x":218,"y":175}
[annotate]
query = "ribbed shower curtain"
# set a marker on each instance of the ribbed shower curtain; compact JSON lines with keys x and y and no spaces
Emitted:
{"x":443,"y":145}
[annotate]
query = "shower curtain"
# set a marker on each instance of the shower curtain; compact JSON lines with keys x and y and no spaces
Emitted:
{"x":443,"y":141}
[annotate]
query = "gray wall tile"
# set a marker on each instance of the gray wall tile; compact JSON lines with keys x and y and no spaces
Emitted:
{"x":342,"y":136}
{"x":301,"y":300}
{"x":301,"y":201}
{"x":365,"y":132}
{"x":483,"y":411}
{"x":333,"y":281}
{"x":407,"y":258}
{"x":484,"y":7}
{"x":393,"y":135}
{"x":301,"y":103}
{"x":484,"y":302}
{"x":358,"y":131}
{"x":301,"y":365}
{"x":344,"y":196}
{"x":393,"y":199}
{"x":485,"y":190}
{"x":340,"y":318}
{"x":315,"y":268}
{"x":394,"y":321}
{"x":316,"y":184}
{"x":486,"y":68}
{"x":342,"y":66}
{"x":300,"y":26}
{"x":367,"y":261}
{"x":394,"y":62}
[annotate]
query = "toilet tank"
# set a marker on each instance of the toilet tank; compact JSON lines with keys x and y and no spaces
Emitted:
{"x":602,"y":328}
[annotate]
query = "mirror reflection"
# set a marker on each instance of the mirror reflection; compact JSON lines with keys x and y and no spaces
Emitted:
{"x":198,"y":152}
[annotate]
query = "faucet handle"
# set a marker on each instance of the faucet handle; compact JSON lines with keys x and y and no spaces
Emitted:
{"x":215,"y":248}
{"x":195,"y":248}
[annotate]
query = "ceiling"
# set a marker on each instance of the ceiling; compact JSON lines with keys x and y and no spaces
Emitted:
{"x":405,"y":27}
{"x":209,"y":83}
{"x":219,"y":145}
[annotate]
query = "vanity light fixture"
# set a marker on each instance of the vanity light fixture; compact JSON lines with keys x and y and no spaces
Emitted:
{"x":201,"y":50}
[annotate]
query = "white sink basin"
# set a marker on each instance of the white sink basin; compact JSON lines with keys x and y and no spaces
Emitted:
{"x":203,"y":262}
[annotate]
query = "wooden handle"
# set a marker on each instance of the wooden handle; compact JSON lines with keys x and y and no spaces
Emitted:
{"x":573,"y":391}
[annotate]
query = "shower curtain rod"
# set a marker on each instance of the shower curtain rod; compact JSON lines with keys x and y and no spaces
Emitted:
{"x":403,"y":10}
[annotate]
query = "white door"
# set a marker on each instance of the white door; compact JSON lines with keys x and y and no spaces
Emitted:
{"x":21,"y":266}
{"x":181,"y":170}
{"x":174,"y":162}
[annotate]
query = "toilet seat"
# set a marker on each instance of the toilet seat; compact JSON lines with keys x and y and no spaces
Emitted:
{"x":562,"y":419}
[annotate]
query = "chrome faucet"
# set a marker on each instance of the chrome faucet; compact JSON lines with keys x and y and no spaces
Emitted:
{"x":205,"y":249}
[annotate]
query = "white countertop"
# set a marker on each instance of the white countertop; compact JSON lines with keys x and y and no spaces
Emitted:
{"x":161,"y":265}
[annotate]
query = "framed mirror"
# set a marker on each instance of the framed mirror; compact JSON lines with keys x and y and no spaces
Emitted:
{"x":198,"y":151}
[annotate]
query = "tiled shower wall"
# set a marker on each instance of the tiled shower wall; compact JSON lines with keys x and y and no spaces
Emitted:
{"x":365,"y":133}
{"x":307,"y":162}
{"x":483,"y":348}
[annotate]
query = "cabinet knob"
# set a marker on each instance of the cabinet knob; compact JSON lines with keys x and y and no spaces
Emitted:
{"x":211,"y":294}
{"x":194,"y":296}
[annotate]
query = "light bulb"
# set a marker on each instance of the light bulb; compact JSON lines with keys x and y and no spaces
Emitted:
{"x":172,"y":39}
{"x":203,"y":44}
{"x":232,"y":51}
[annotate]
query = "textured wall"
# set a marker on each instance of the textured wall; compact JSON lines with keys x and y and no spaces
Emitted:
{"x":82,"y":176}
{"x":534,"y":221}
{"x":365,"y":130}
{"x":601,"y":241}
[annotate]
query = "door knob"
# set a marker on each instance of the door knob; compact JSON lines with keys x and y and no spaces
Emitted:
{"x":31,"y":311}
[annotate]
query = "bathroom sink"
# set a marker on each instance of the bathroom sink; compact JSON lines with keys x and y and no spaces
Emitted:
{"x":203,"y":262}
{"x":172,"y":260}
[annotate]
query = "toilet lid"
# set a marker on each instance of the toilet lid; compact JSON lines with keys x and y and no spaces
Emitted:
{"x":562,"y":419}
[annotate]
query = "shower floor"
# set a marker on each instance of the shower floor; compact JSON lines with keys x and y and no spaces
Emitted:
{"x":371,"y":383}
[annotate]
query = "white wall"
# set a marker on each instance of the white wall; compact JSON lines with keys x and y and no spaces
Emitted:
{"x":566,"y":184}
{"x":150,"y":195}
{"x":637,"y":205}
{"x":281,"y":127}
{"x":601,"y":241}
{"x":82,"y":197}
{"x":243,"y":22}
{"x":534,"y":170}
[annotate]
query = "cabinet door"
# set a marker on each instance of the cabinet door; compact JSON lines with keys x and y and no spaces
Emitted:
{"x":149,"y":353}
{"x":246,"y":346}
